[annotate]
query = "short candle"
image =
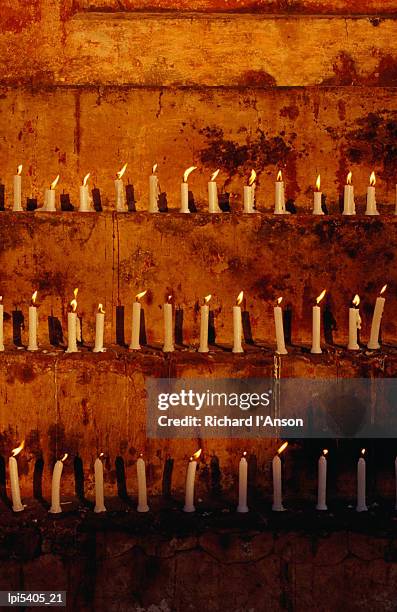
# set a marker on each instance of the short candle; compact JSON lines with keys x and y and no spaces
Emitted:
{"x":249,"y":193}
{"x":349,"y":207}
{"x":85,"y":199}
{"x":185,"y":190}
{"x":317,"y":207}
{"x":371,"y":197}
{"x":213,"y":205}
{"x":49,"y":197}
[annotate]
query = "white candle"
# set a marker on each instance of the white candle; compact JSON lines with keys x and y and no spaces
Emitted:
{"x":99,"y":330}
{"x":371,"y":197}
{"x":349,"y":207}
{"x":17,"y":504}
{"x":99,"y":492}
{"x":136,"y":322}
{"x":168,"y":331}
{"x":72,"y":326}
{"x":316,"y":325}
{"x":85,"y":198}
{"x":56,"y":486}
{"x":322,"y":482}
{"x":154,"y":191}
{"x":249,"y":193}
{"x":317,"y":208}
{"x":185,"y":190}
{"x":33,"y":323}
{"x":279,"y":196}
{"x":121,"y":201}
{"x":238,"y":325}
{"x":242,"y":484}
{"x":376,"y":320}
{"x":213,"y":205}
{"x":49,"y":197}
{"x":1,"y":324}
{"x":354,"y":324}
{"x":361,"y":482}
{"x":279,"y":324}
{"x":17,"y":190}
{"x":277,"y":480}
{"x":190,"y":478}
{"x":142,"y":491}
{"x":204,"y":320}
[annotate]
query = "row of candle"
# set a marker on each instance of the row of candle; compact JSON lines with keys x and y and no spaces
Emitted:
{"x":86,"y":203}
{"x":74,"y":327}
{"x":189,"y":506}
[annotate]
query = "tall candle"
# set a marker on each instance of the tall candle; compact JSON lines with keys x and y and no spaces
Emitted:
{"x":349,"y":207}
{"x":72,"y":326}
{"x":154,"y":191}
{"x":33,"y":322}
{"x":121,"y":200}
{"x":361,"y":482}
{"x":56,"y":486}
{"x":213,"y":205}
{"x":279,"y":324}
{"x":185,"y":190}
{"x":354,"y":324}
{"x":99,"y":330}
{"x":376,"y":321}
{"x":190,"y":479}
{"x":168,"y":331}
{"x":279,"y":196}
{"x":371,"y":197}
{"x":99,"y":492}
{"x":322,"y":482}
{"x":17,"y":190}
{"x":316,"y":325}
{"x":238,"y":325}
{"x":85,"y":197}
{"x":1,"y":324}
{"x":49,"y":197}
{"x":249,"y":194}
{"x":17,"y":504}
{"x":317,"y":207}
{"x":242,"y":484}
{"x":204,"y":320}
{"x":277,"y":480}
{"x":142,"y":491}
{"x":136,"y":322}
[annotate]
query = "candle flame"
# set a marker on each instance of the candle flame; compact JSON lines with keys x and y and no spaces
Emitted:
{"x":54,"y":182}
{"x":383,"y":289}
{"x":318,"y":183}
{"x":85,"y":179}
{"x":101,"y":454}
{"x":279,"y":176}
{"x":325,"y":451}
{"x":121,"y":172}
{"x":64,"y":457}
{"x":16,"y":451}
{"x":240,"y":298}
{"x":100,"y":309}
{"x":195,"y":455}
{"x":321,"y":296}
{"x":34,"y":296}
{"x":356,"y":300}
{"x":73,"y":304}
{"x":140,"y":295}
{"x":279,"y":300}
{"x":252,"y":178}
{"x":207,"y":298}
{"x":154,"y":168}
{"x":188,"y":172}
{"x":214,"y":176}
{"x":349,"y":178}
{"x":1,"y":298}
{"x":282,"y":447}
{"x":169,"y":299}
{"x":363,"y":451}
{"x":19,"y":169}
{"x":244,"y":453}
{"x":372,"y":179}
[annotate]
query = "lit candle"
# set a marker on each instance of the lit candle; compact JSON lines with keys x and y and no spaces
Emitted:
{"x":33,"y":322}
{"x":213,"y":206}
{"x":277,"y":480}
{"x":56,"y":486}
{"x":18,"y":190}
{"x":316,"y":325}
{"x":376,"y":320}
{"x":242,"y":484}
{"x":361,"y":481}
{"x":154,"y":191}
{"x":168,"y":331}
{"x":354,"y":324}
{"x":136,"y":322}
{"x":249,"y":194}
{"x":185,"y":190}
{"x":72,"y":326}
{"x":1,"y":324}
{"x":142,"y":491}
{"x":238,"y":325}
{"x":204,"y":319}
{"x":190,"y":478}
{"x":349,"y":207}
{"x":279,"y":201}
{"x":317,"y":208}
{"x":279,"y":323}
{"x":99,"y":493}
{"x":371,"y":197}
{"x":322,"y":482}
{"x":85,"y":198}
{"x":49,"y":197}
{"x":99,"y":330}
{"x":17,"y":504}
{"x":121,"y":200}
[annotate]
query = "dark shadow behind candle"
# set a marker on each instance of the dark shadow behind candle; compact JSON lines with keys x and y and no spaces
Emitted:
{"x":2,"y":196}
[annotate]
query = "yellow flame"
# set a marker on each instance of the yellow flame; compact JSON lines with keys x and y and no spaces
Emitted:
{"x":64,"y":457}
{"x":1,"y":298}
{"x":188,"y":172}
{"x":19,"y":169}
{"x":244,"y":453}
{"x":372,"y":179}
{"x":195,"y":455}
{"x":240,"y":298}
{"x":85,"y":179}
{"x":356,"y":300}
{"x":318,"y":183}
{"x":121,"y":172}
{"x":169,"y":298}
{"x":279,"y":176}
{"x":34,"y":296}
{"x":140,"y":295}
{"x":363,"y":451}
{"x":325,"y":451}
{"x":73,"y":304}
{"x":349,"y":178}
{"x":279,"y":300}
{"x":252,"y":178}
{"x":154,"y":168}
{"x":282,"y":447}
{"x":16,"y":451}
{"x":54,"y":182}
{"x":214,"y":176}
{"x":207,"y":298}
{"x":100,"y":309}
{"x":101,"y":454}
{"x":383,"y":289}
{"x":321,"y":296}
